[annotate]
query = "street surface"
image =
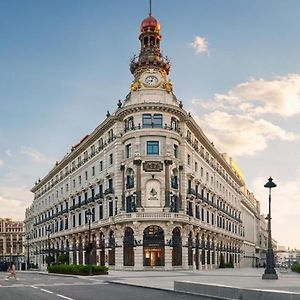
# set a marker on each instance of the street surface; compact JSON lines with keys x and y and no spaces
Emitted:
{"x":33,"y":286}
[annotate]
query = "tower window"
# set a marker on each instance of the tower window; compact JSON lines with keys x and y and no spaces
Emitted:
{"x":152,"y":121}
{"x":153,"y":148}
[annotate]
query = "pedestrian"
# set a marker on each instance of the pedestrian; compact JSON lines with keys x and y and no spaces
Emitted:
{"x":12,"y":271}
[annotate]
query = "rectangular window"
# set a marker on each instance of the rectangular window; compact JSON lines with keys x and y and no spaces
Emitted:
{"x":175,"y":151}
{"x":152,"y":148}
{"x":86,"y":175}
{"x":100,"y":212}
{"x":110,"y":209}
{"x":147,"y":120}
{"x":79,"y":179}
{"x":101,"y":166}
{"x":157,"y":120}
{"x":74,"y":183}
{"x":93,"y":171}
{"x":128,"y":151}
{"x":110,"y":184}
{"x":111,"y":159}
{"x":79,"y":219}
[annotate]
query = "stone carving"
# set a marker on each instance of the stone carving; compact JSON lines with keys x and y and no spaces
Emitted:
{"x":153,"y":166}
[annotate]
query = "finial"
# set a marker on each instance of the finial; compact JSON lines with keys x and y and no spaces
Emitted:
{"x":150,"y":8}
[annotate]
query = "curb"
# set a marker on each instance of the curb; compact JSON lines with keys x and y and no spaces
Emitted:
{"x":166,"y":290}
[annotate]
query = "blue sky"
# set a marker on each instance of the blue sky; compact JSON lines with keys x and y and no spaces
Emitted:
{"x":64,"y":63}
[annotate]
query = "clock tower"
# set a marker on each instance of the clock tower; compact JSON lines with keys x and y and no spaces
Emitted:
{"x":150,"y":68}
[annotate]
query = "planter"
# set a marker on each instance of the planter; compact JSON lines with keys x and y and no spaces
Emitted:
{"x":80,"y":273}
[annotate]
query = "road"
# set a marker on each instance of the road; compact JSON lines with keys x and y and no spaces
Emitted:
{"x":33,"y":286}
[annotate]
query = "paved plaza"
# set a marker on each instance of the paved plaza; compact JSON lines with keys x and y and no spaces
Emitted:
{"x":131,"y":282}
{"x":243,"y":278}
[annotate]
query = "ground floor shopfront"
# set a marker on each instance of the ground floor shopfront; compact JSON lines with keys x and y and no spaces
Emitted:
{"x":142,"y":246}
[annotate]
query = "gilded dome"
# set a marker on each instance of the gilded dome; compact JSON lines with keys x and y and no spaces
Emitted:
{"x":150,"y":22}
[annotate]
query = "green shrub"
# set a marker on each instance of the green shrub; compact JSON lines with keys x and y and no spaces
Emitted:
{"x":296,"y":267}
{"x":75,"y":269}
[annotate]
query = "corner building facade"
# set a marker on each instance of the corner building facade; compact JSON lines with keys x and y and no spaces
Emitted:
{"x":161,"y":195}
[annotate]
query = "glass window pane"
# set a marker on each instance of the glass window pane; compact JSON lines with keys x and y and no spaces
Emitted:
{"x":147,"y":120}
{"x":157,"y":120}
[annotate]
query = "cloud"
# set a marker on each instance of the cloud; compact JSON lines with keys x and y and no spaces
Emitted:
{"x":240,"y":135}
{"x":285,"y":208}
{"x":13,"y":201}
{"x":200,"y":44}
{"x":280,"y":96}
{"x":37,"y":156}
{"x":8,"y":153}
{"x":1,"y":162}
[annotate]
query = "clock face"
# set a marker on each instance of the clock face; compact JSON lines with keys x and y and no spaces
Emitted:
{"x":151,"y":80}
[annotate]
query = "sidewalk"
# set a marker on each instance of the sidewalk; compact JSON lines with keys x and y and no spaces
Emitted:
{"x":242,"y":278}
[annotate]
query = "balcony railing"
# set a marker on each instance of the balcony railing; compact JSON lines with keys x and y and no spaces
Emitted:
{"x":153,"y":125}
{"x":109,"y":191}
{"x":191,"y":191}
{"x":99,"y":196}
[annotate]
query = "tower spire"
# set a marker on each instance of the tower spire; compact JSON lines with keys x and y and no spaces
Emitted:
{"x":150,"y":55}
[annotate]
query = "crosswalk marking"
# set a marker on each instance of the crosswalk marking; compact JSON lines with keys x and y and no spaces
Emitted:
{"x":46,"y":291}
{"x":65,"y":297}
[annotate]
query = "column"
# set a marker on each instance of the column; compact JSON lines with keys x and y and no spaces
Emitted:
{"x":118,"y":250}
{"x":122,"y":168}
{"x":138,"y":163}
{"x":168,"y":162}
{"x":185,"y":265}
{"x":180,"y":187}
{"x":168,"y":252}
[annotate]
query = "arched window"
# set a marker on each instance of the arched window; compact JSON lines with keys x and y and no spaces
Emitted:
{"x":190,"y":249}
{"x":177,"y":247}
{"x":102,"y":249}
{"x":128,"y":247}
{"x":111,"y":251}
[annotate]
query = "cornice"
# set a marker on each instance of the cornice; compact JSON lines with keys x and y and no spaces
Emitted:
{"x":198,"y":132}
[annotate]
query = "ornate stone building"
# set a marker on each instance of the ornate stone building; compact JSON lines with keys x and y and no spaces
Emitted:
{"x":11,"y":242}
{"x":160,"y":193}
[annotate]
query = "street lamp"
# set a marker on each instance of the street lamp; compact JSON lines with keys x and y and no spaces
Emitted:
{"x":270,"y":272}
{"x":89,"y":247}
{"x":49,"y":231}
{"x":28,"y":261}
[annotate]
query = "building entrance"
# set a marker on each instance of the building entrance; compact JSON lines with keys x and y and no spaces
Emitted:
{"x":154,"y":246}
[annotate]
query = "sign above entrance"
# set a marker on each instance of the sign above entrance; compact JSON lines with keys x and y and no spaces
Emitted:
{"x":153,"y":166}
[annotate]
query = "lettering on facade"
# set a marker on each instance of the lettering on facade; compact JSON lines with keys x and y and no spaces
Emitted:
{"x":153,"y":166}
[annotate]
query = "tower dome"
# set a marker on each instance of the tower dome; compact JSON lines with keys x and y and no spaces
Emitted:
{"x":150,"y":22}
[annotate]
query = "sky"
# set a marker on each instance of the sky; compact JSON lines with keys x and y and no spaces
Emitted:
{"x":235,"y":65}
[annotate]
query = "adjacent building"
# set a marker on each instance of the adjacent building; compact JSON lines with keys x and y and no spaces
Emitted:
{"x":158,"y":193}
{"x":11,"y":242}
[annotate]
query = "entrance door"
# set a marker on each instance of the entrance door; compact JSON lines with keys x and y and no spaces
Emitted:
{"x":154,"y":246}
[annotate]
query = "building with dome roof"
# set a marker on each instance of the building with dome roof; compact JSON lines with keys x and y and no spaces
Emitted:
{"x":158,"y":193}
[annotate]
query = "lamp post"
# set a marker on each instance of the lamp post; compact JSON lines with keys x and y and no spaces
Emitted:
{"x":270,"y":272}
{"x":28,"y":261}
{"x":89,"y":248}
{"x":49,"y":231}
